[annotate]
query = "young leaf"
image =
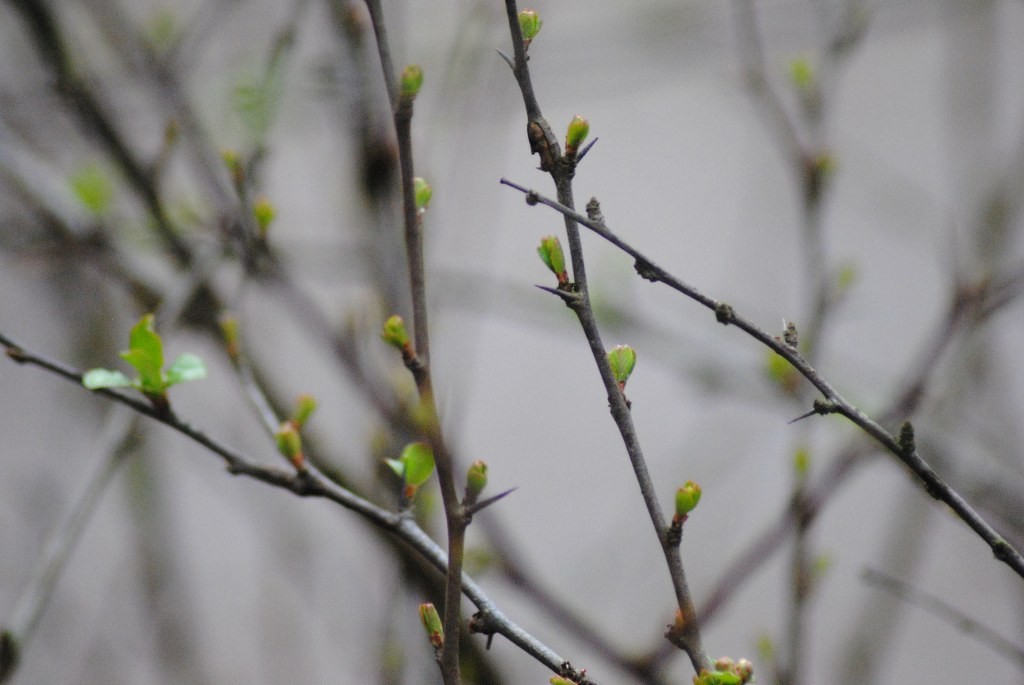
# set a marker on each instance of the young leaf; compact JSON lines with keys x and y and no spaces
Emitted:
{"x":105,"y":378}
{"x":146,"y":353}
{"x":187,"y":367}
{"x":419,"y":463}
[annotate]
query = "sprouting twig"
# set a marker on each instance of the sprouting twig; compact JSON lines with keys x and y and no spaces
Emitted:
{"x":686,"y":635}
{"x":311,"y":483}
{"x":725,"y":314}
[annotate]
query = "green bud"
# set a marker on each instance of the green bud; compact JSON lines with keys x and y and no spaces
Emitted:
{"x":559,"y":680}
{"x":801,"y":73}
{"x":229,"y":330}
{"x":289,"y":443}
{"x":476,"y":480}
{"x":422,"y":191}
{"x":551,"y":254}
{"x":622,"y":359}
{"x":411,"y":81}
{"x":687,"y":498}
{"x":432,"y":623}
{"x":93,"y":189}
{"x":305,"y":405}
{"x":394,"y":333}
{"x":802,"y":461}
{"x":529,"y":25}
{"x":264,"y":212}
{"x":578,"y":130}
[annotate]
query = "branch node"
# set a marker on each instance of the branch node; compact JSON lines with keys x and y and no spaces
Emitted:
{"x":594,"y":211}
{"x":724,"y":313}
{"x":16,"y":354}
{"x":907,"y":443}
{"x":646,"y":270}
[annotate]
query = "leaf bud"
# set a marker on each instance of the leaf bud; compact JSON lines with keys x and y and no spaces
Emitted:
{"x":395,"y":334}
{"x":422,"y":192}
{"x":559,"y":680}
{"x":411,"y":81}
{"x":476,"y":480}
{"x":622,"y":359}
{"x":305,"y":405}
{"x":687,"y":498}
{"x":529,"y":24}
{"x":577,"y":133}
{"x":264,"y":212}
{"x":432,"y":623}
{"x":289,"y":443}
{"x":550,"y":251}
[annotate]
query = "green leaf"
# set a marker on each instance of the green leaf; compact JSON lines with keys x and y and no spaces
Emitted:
{"x":95,"y":379}
{"x":146,"y":353}
{"x":187,"y":367}
{"x":418,"y":459}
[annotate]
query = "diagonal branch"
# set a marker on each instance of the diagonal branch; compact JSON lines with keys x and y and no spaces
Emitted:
{"x":833,"y":402}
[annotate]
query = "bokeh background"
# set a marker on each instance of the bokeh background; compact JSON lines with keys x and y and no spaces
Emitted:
{"x":181,"y":573}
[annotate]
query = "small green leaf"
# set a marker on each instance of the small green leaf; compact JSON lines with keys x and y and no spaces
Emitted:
{"x":432,"y":623}
{"x":187,"y":367}
{"x":95,"y":379}
{"x":550,"y":251}
{"x":419,"y":463}
{"x":146,"y":353}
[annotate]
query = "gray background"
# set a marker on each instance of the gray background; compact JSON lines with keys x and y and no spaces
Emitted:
{"x":924,"y":120}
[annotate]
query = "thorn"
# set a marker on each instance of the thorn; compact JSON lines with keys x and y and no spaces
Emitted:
{"x":570,"y":298}
{"x":489,"y":501}
{"x":821,"y":407}
{"x":508,"y":60}
{"x":586,"y":148}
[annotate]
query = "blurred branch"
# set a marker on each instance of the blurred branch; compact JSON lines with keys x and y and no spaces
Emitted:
{"x":949,"y":614}
{"x":113,"y":445}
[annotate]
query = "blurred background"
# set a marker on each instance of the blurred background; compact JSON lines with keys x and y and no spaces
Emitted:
{"x":853,"y":166}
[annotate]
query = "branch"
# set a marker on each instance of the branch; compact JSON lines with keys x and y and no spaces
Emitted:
{"x":310,"y":483}
{"x":837,"y":404}
{"x":686,"y":632}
